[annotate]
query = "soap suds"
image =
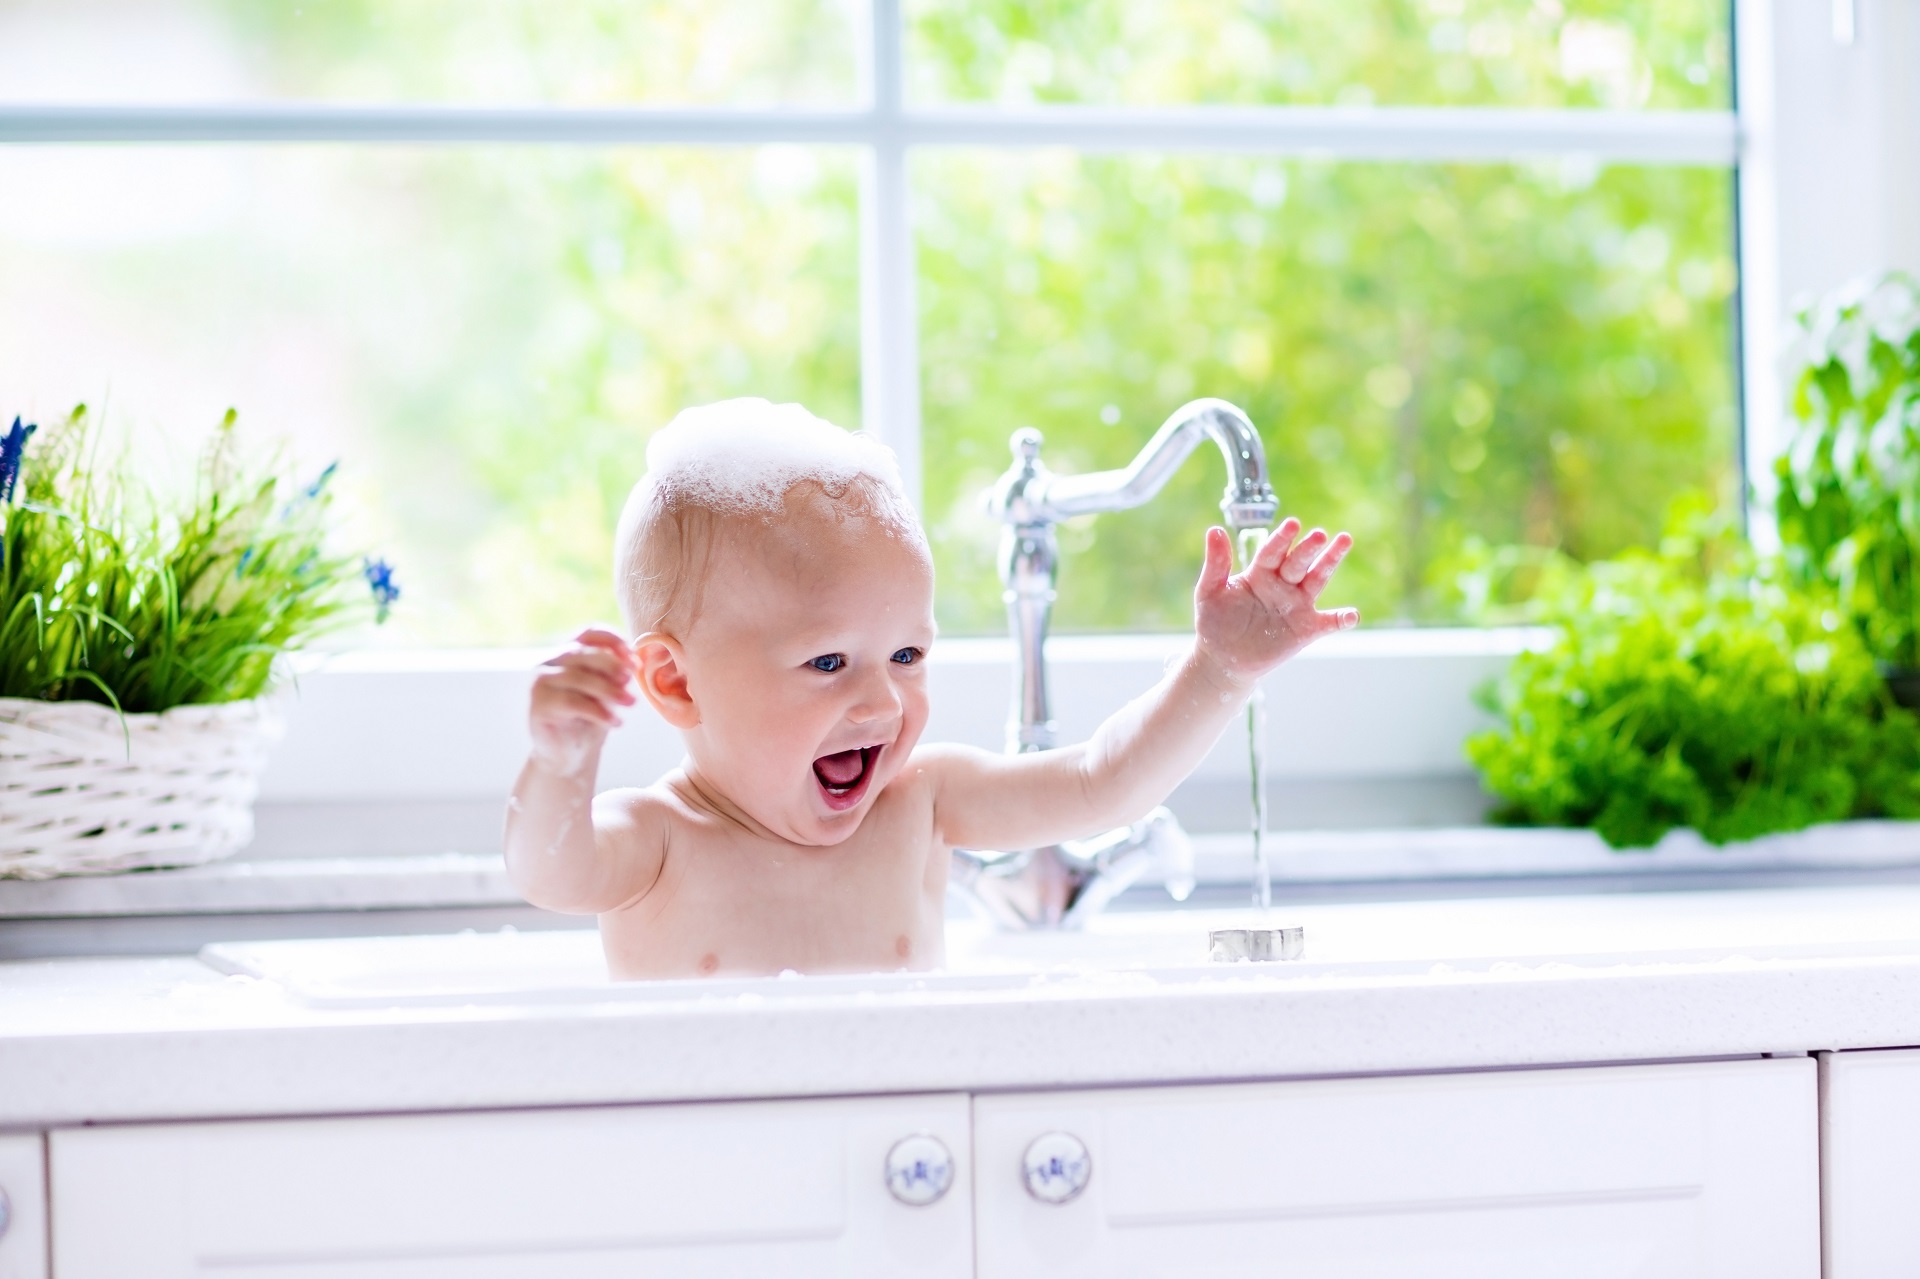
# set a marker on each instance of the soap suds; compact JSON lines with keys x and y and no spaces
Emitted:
{"x":742,"y":455}
{"x":721,"y":467}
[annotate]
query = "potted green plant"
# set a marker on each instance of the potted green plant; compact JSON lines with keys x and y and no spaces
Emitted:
{"x":1848,"y":501}
{"x":1694,"y":687}
{"x":140,"y":639}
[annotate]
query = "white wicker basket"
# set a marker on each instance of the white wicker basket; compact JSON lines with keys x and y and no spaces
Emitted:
{"x":86,"y":791}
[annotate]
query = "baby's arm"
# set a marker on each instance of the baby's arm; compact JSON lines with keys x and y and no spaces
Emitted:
{"x":567,"y":851}
{"x":1245,"y":625}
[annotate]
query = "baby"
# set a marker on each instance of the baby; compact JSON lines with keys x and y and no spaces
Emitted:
{"x":779,"y":594}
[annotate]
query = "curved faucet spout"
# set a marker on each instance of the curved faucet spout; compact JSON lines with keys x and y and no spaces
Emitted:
{"x":1249,"y":501}
{"x":1062,"y":885}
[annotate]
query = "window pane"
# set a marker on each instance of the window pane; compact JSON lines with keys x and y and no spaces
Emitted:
{"x":1535,"y":53}
{"x":484,"y":337}
{"x":1534,"y":354}
{"x":576,"y":52}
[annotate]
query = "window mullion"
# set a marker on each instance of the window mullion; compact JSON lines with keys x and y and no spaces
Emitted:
{"x":889,"y":332}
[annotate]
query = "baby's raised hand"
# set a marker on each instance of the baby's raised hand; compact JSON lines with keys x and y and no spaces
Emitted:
{"x":576,"y":696}
{"x":1250,"y":622}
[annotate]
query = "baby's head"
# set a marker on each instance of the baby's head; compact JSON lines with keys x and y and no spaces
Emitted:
{"x":779,"y":593}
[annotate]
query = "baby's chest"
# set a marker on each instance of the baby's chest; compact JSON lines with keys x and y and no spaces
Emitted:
{"x":867,"y":872}
{"x":741,"y":908}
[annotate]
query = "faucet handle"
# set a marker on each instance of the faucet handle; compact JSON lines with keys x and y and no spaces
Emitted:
{"x":1016,"y":496}
{"x":1175,"y":849}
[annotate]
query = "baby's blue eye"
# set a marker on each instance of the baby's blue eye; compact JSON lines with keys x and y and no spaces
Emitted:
{"x":907,"y":656}
{"x":829,"y":663}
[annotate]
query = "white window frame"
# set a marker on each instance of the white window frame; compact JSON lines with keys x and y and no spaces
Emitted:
{"x":1823,"y":146}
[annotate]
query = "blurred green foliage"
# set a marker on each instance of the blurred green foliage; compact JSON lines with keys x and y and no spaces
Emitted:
{"x":619,"y":289}
{"x":1674,"y":54}
{"x":1532,"y":355}
{"x":1438,"y":356}
{"x":1693,"y":688}
{"x":1849,"y":483}
{"x":486,"y":335}
{"x":580,"y":52}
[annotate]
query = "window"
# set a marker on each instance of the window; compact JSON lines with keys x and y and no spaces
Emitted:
{"x":1469,"y":264}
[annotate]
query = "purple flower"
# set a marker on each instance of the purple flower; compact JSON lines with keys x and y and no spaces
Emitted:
{"x":379,"y":575}
{"x":12,"y":445}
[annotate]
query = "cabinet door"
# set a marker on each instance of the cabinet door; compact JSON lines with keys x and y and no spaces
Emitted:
{"x":787,"y":1188}
{"x":1870,"y":1120}
{"x":1644,"y":1171}
{"x":23,"y":1207}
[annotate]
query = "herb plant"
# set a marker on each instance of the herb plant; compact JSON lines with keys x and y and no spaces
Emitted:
{"x":1692,"y":688}
{"x":110,"y":593}
{"x":1849,"y":483}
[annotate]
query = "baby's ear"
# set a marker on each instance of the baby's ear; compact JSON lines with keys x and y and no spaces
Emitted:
{"x":663,"y":678}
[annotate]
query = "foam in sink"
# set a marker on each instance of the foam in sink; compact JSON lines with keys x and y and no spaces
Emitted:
{"x":544,"y":967}
{"x":1448,"y":939}
{"x":434,"y":968}
{"x":565,"y":966}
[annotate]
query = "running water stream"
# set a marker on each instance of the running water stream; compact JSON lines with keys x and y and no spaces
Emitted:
{"x":1250,"y":542}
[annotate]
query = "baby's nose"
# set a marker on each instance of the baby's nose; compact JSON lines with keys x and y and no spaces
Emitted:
{"x":876,"y":699}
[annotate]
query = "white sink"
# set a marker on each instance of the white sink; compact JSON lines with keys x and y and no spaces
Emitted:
{"x":1362,"y":941}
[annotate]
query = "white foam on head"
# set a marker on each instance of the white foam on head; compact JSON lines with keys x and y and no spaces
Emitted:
{"x":742,"y":456}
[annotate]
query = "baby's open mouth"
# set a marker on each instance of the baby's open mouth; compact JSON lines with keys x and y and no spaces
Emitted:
{"x":843,"y":775}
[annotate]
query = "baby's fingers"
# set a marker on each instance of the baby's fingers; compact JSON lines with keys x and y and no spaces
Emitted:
{"x":1293,"y":569}
{"x":1315,"y":579}
{"x":1274,"y":550}
{"x":614,"y":666}
{"x":598,"y":639}
{"x":580,"y":678}
{"x":572,"y":703}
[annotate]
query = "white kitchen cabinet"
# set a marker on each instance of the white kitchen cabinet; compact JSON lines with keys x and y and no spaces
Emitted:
{"x":1662,"y":1171}
{"x":1870,"y":1128}
{"x":23,"y":1206}
{"x":777,"y":1188}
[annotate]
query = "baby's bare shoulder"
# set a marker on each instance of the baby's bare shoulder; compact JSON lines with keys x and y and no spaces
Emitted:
{"x":634,"y":829}
{"x":634,"y":814}
{"x":942,"y":765}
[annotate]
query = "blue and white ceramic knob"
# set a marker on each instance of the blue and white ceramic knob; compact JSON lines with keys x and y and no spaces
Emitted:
{"x":919,"y":1170}
{"x":1056,"y":1167}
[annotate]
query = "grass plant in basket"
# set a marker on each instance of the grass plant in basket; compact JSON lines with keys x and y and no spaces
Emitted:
{"x":139,"y":642}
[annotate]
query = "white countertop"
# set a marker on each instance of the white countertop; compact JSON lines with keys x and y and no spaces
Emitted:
{"x":1408,"y":986}
{"x":452,"y":880}
{"x":242,"y":885}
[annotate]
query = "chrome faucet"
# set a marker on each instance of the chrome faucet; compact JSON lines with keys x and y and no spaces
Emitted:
{"x":1063,"y":885}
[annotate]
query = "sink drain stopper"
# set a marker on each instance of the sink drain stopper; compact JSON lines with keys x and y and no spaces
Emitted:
{"x":1256,"y":945}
